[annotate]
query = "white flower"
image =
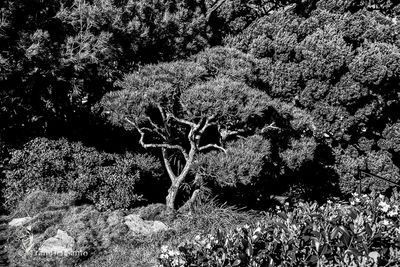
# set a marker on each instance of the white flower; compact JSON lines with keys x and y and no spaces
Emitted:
{"x":392,"y":213}
{"x":178,"y":262}
{"x":384,"y":206}
{"x":172,"y":253}
{"x":164,"y":248}
{"x":182,"y":262}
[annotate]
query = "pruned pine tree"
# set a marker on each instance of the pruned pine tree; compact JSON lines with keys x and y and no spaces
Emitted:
{"x":173,"y":105}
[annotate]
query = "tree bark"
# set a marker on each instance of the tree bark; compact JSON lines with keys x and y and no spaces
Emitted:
{"x":171,"y":197}
{"x":177,"y":180}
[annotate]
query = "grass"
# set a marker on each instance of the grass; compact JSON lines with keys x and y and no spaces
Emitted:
{"x":207,"y":218}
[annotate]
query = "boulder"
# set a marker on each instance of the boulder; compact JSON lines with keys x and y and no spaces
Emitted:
{"x":141,"y":227}
{"x":115,"y":218}
{"x":61,"y":244}
{"x":19,"y":221}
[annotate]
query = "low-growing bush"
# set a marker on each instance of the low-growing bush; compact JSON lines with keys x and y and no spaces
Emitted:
{"x":39,"y":201}
{"x":109,"y":181}
{"x":363,"y":232}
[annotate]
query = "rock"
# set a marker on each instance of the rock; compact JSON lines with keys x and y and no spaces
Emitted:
{"x":152,"y":212}
{"x":115,"y":218}
{"x":61,"y":244}
{"x":139,"y":226}
{"x":19,"y":221}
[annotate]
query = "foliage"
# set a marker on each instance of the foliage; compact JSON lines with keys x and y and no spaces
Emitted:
{"x":39,"y":201}
{"x":242,"y":163}
{"x":4,"y":155}
{"x":218,"y":90}
{"x":364,"y":231}
{"x":210,"y":216}
{"x":387,"y":7}
{"x":174,"y":105}
{"x":342,"y":70}
{"x":103,"y":234}
{"x":108,"y":180}
{"x":59,"y":57}
{"x":241,"y":175}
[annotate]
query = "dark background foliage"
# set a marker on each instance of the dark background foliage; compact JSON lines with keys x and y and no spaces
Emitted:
{"x":342,"y":68}
{"x":331,"y":68}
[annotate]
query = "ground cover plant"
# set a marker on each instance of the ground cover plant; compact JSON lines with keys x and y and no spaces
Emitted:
{"x":362,"y":232}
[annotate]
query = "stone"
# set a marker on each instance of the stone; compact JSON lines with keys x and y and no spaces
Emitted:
{"x":115,"y":218}
{"x":19,"y":221}
{"x":61,"y":244}
{"x":141,"y":227}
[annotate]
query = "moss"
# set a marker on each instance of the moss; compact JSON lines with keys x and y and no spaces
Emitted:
{"x":157,"y":212}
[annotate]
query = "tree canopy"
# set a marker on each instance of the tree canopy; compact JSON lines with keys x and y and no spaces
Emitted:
{"x":172,"y":105}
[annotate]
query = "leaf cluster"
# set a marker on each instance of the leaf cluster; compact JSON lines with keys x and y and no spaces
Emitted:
{"x":362,"y":231}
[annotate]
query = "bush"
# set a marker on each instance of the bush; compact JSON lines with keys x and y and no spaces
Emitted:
{"x":109,"y":181}
{"x":240,"y":174}
{"x":342,"y":70}
{"x":364,"y":232}
{"x":39,"y":201}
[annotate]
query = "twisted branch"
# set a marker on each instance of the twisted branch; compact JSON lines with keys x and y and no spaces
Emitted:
{"x":165,"y":146}
{"x":212,"y":145}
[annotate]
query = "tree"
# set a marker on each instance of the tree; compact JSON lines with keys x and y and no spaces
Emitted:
{"x":178,"y":106}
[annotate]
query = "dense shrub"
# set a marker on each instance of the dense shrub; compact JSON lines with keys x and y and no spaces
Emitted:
{"x":364,"y":231}
{"x":240,"y":175}
{"x":59,"y":166}
{"x":340,"y":68}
